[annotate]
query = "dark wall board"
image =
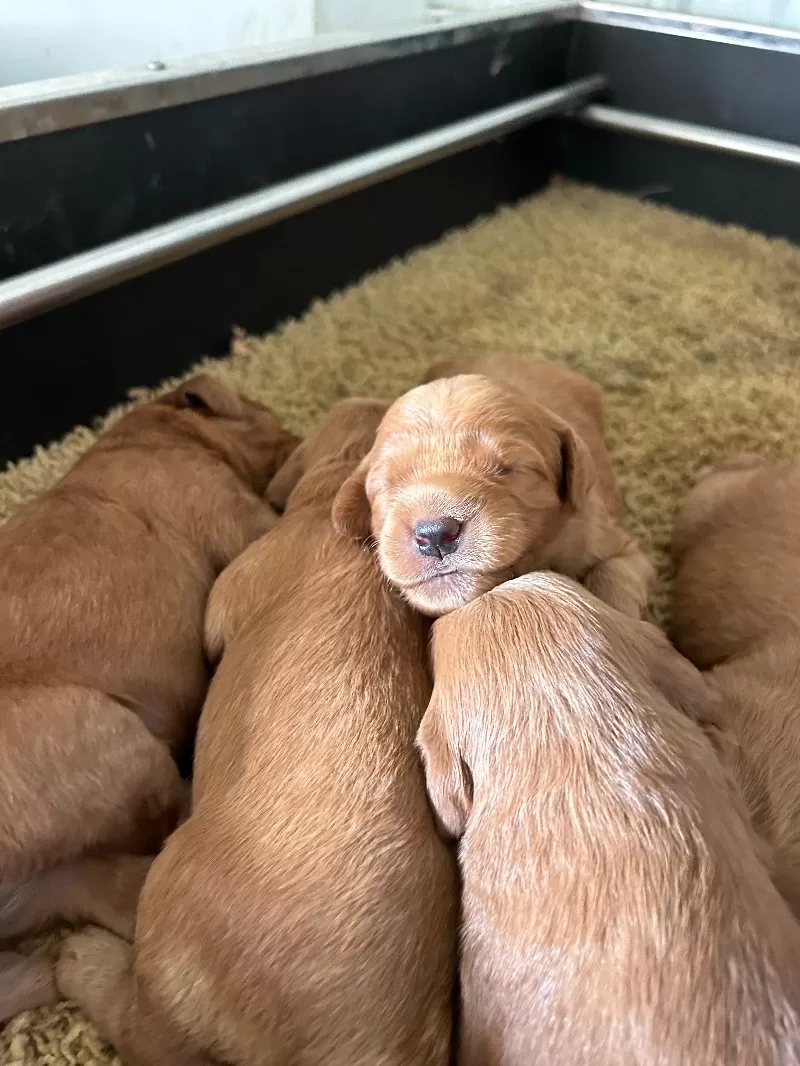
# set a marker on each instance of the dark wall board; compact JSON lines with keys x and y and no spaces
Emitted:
{"x":71,"y":364}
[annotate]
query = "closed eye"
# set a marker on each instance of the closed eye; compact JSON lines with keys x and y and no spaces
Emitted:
{"x":502,"y":471}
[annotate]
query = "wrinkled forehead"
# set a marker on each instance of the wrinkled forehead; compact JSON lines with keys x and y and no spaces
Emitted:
{"x":454,"y":420}
{"x":458,"y":401}
{"x":468,"y":407}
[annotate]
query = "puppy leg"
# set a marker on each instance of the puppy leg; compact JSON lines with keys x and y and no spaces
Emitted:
{"x":446,"y":774}
{"x":622,"y":581}
{"x":95,"y":971}
{"x":224,"y":610}
{"x":25,"y":984}
{"x":104,"y":891}
{"x":78,"y":774}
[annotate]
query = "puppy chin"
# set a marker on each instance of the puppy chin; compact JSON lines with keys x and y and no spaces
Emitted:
{"x":440,"y":595}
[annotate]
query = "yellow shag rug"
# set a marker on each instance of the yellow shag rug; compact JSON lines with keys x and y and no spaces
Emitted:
{"x":692,"y":329}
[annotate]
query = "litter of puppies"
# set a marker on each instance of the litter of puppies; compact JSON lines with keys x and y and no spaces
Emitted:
{"x":605,"y":868}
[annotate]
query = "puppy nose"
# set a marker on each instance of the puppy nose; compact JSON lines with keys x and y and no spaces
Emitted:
{"x":437,"y":536}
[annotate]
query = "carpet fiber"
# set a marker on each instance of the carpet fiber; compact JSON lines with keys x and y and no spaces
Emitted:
{"x":692,"y":329}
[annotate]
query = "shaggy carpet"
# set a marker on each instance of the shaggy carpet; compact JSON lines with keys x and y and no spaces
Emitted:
{"x":692,"y":329}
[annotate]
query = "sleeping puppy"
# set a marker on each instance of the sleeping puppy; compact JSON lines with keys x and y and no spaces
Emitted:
{"x":103,"y":587}
{"x":483,"y":475}
{"x":615,"y":908}
{"x":306,"y":912}
{"x":736,"y":612}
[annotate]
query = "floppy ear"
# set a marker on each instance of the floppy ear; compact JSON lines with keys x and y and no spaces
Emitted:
{"x":577,"y":467}
{"x":446,"y":774}
{"x":351,"y":514}
{"x":208,"y":395}
{"x":282,"y":484}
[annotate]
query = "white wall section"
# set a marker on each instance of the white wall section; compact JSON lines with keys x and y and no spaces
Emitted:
{"x":335,"y":15}
{"x":51,"y":38}
{"x":781,"y":14}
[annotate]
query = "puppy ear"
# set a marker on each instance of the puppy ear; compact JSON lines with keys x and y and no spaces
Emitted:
{"x":208,"y":395}
{"x":447,"y":776}
{"x":577,"y":467}
{"x":282,"y":484}
{"x":351,"y":514}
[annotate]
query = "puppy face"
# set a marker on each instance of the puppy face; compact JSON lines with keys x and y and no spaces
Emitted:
{"x":466,"y":482}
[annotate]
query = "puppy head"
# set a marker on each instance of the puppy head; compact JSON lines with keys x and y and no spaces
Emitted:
{"x":466,"y":482}
{"x":536,"y":660}
{"x":329,"y":453}
{"x":499,"y":366}
{"x":630,"y":648}
{"x":248,"y":433}
{"x":496,"y":664}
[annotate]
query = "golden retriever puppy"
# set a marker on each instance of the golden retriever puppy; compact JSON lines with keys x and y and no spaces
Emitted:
{"x":305,"y":914}
{"x":736,"y":612}
{"x":478,"y":476}
{"x":103,"y":587}
{"x":615,"y":908}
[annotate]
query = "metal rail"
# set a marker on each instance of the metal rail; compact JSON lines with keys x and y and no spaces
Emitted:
{"x":80,"y":275}
{"x":686,"y":133}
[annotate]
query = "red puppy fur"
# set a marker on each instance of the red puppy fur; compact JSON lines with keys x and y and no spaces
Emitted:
{"x":305,"y":914}
{"x":504,"y":461}
{"x":615,"y":908}
{"x":103,"y":586}
{"x":736,"y":612}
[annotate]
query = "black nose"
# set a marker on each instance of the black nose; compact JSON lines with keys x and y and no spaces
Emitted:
{"x":437,"y":536}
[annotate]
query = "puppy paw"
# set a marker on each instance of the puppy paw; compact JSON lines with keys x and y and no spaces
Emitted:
{"x":629,"y":597}
{"x":90,"y":965}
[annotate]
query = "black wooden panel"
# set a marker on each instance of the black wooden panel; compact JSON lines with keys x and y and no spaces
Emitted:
{"x":70,"y":191}
{"x":724,"y":188}
{"x":713,"y":83}
{"x":73,"y":363}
